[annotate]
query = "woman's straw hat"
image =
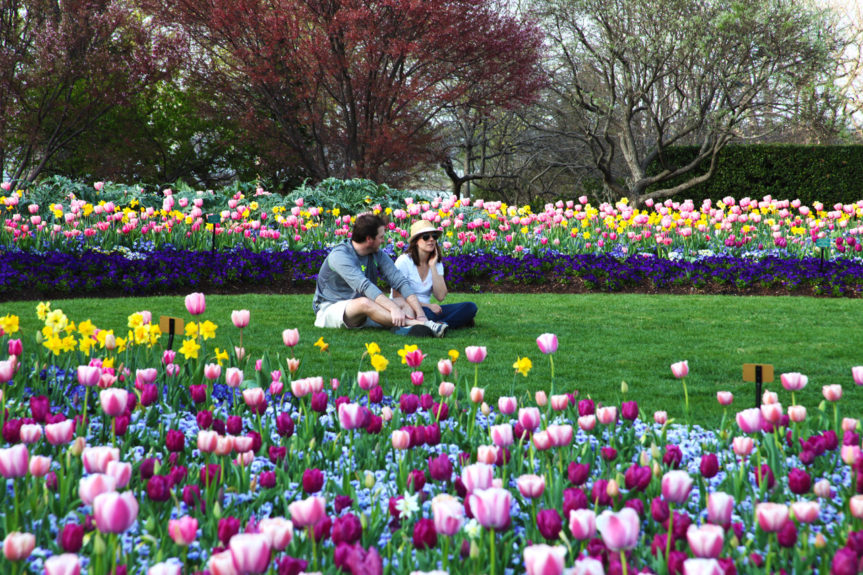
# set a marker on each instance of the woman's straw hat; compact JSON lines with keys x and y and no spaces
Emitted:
{"x":423,"y":227}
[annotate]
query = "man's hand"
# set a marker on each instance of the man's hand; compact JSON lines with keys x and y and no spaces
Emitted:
{"x":434,"y":307}
{"x":398,"y":316}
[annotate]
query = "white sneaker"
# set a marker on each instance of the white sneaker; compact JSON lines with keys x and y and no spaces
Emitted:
{"x":439,"y":329}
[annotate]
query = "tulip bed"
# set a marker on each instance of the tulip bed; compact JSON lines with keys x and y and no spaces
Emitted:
{"x":122,"y":456}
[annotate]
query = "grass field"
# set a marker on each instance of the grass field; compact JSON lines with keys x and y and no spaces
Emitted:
{"x":604,"y":340}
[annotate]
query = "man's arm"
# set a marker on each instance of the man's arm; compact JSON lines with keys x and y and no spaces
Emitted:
{"x":348,"y":268}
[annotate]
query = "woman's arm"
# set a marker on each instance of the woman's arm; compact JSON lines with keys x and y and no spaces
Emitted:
{"x":438,"y":283}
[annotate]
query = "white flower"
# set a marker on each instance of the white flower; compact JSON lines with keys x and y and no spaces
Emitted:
{"x":408,"y":505}
{"x":473,"y":529}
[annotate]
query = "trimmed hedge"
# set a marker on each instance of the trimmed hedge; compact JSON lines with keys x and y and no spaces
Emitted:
{"x":828,"y":174}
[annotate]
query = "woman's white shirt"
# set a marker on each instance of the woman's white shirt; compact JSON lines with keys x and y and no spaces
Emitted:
{"x":422,"y":288}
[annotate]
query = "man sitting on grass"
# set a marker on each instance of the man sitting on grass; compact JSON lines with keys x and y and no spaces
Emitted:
{"x":347,"y":295}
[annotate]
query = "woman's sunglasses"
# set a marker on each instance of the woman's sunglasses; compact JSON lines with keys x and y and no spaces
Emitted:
{"x":427,"y":237}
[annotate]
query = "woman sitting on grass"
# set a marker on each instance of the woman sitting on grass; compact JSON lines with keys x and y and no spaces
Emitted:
{"x":423,"y":268}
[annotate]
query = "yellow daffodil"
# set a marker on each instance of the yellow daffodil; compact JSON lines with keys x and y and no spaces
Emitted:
{"x":191,"y":329}
{"x":86,"y":328}
{"x":379,"y":362}
{"x":155,"y":334}
{"x":189,"y":348}
{"x":85,"y":344}
{"x":453,"y":355}
{"x":372,"y":348}
{"x":322,"y":344}
{"x":221,"y":356}
{"x":522,"y":365}
{"x":9,"y":324}
{"x":406,"y":350}
{"x":42,"y":309}
{"x":136,"y":320}
{"x":69,"y":343}
{"x":108,"y":362}
{"x":208,"y":330}
{"x":56,"y":320}
{"x":53,"y":343}
{"x":142,"y":335}
{"x":70,"y":328}
{"x":121,"y":345}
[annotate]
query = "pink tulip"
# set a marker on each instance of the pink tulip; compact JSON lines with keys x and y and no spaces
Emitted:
{"x":477,"y":476}
{"x":559,"y":402}
{"x":588,"y":566}
{"x":18,"y":546}
{"x":91,"y":486}
{"x":542,"y":441}
{"x":771,"y":516}
{"x":702,"y":566}
{"x":184,"y":530}
{"x":278,"y":530}
{"x":7,"y":370}
{"x":222,"y":564}
{"x":749,"y":420}
{"x":547,"y":343}
{"x":293,"y":364}
{"x":772,"y":412}
{"x":855,"y":506}
{"x":96,"y":458}
{"x":531,"y":486}
{"x":742,"y":446}
{"x":65,"y":564}
{"x":89,"y":375}
{"x":529,"y":417}
{"x":113,"y":401}
{"x":582,"y":524}
{"x":121,"y":471}
{"x":115,"y":512}
{"x":660,"y":417}
{"x":849,"y":454}
{"x":544,"y":559}
{"x":207,"y":440}
{"x":448,"y":514}
{"x":806,"y":511}
{"x":244,"y":459}
{"x":61,"y":432}
{"x":857,"y":374}
{"x":487,"y":454}
{"x":368,"y":379}
{"x":720,"y":505}
{"x":793,"y":381}
{"x":147,"y":376}
{"x":606,"y":415}
{"x":796,"y":413}
{"x":680,"y":369}
{"x":501,"y":435}
{"x":477,"y":394}
{"x":446,"y":389}
{"x":30,"y":433}
{"x":195,"y":303}
{"x":351,"y":416}
{"x":417,"y":378}
{"x":291,"y":337}
{"x":165,"y":568}
{"x":300,"y":387}
{"x":676,"y":485}
{"x":414,"y":358}
{"x":475,"y":354}
{"x":39,"y":465}
{"x":240,"y":318}
{"x":769,"y":397}
{"x":14,"y":461}
{"x":444,"y":366}
{"x":619,"y":530}
{"x":849,"y":424}
{"x":560,"y":435}
{"x":251,"y":552}
{"x":832,"y":392}
{"x":254,"y":397}
{"x":587,"y":422}
{"x":507,"y":405}
{"x":724,"y":397}
{"x":541,"y":398}
{"x":234,"y":378}
{"x":706,"y":540}
{"x":491,"y":507}
{"x":243,"y":443}
{"x":401,"y":439}
{"x":307,"y":512}
{"x":212,"y":371}
{"x":823,"y":489}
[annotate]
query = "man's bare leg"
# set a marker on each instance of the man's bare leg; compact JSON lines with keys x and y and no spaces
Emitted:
{"x":361,"y":308}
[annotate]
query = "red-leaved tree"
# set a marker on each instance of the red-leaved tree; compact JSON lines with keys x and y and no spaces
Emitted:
{"x":63,"y":65}
{"x":349,"y":88}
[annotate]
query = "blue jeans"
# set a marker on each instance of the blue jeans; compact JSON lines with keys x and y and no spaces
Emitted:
{"x":455,"y":315}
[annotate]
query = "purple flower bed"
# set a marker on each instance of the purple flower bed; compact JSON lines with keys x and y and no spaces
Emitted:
{"x":29,"y":275}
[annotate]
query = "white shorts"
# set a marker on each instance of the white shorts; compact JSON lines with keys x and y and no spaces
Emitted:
{"x":332,"y":315}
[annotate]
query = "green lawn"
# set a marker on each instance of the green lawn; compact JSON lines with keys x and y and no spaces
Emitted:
{"x":604,"y":340}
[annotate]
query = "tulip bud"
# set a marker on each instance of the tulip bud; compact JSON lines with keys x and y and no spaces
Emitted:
{"x":369,"y":479}
{"x":613,"y":488}
{"x":623,"y":387}
{"x":77,"y":447}
{"x":820,"y":541}
{"x":486,"y":410}
{"x":474,"y":550}
{"x":644,"y":458}
{"x":657,"y":470}
{"x":541,"y":398}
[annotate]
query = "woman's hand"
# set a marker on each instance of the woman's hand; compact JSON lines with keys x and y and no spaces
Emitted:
{"x":434,"y":307}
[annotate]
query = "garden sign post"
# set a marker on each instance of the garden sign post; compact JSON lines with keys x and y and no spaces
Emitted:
{"x":171,"y":325}
{"x":214,"y":219}
{"x":759,"y":373}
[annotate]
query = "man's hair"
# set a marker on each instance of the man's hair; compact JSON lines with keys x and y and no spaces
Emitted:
{"x":366,"y":226}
